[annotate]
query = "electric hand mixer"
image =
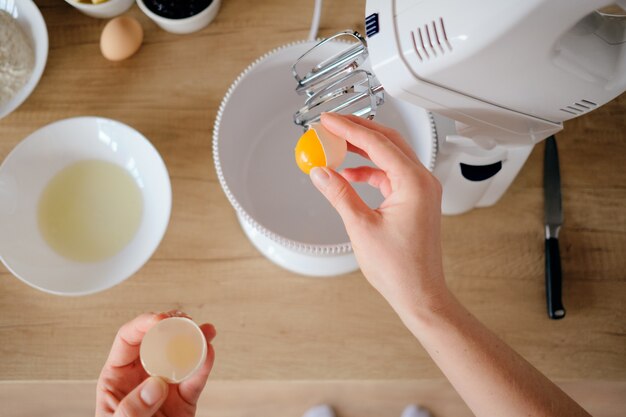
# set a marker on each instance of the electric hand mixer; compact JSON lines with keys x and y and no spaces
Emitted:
{"x":508,"y":72}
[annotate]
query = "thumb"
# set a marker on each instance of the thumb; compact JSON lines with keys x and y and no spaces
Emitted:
{"x":145,"y":400}
{"x":339,"y":193}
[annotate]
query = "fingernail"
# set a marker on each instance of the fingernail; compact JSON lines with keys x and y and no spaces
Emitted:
{"x":319,"y":176}
{"x":331,"y":117}
{"x":153,"y":390}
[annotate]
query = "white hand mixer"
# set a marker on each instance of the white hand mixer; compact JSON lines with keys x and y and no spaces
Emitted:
{"x":508,"y":72}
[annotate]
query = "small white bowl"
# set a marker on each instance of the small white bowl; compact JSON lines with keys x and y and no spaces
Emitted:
{"x":31,"y":21}
{"x":35,"y":161}
{"x":106,"y":10}
{"x":279,"y":209}
{"x":186,"y":25}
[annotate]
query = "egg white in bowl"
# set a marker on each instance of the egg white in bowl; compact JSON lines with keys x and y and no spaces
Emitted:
{"x":32,"y":168}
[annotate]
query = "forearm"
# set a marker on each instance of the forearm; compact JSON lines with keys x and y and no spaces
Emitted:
{"x":490,"y":377}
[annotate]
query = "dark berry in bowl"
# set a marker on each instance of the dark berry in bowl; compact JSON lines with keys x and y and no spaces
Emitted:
{"x":177,"y":9}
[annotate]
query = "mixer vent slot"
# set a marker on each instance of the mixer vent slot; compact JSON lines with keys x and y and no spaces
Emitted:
{"x":371,"y":25}
{"x":579,"y":107}
{"x":431,"y":40}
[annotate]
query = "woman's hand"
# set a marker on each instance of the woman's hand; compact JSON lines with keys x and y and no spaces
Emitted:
{"x":398,"y":245}
{"x":125,"y":389}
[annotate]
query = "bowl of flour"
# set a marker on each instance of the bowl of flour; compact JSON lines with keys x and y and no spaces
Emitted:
{"x":23,"y":52}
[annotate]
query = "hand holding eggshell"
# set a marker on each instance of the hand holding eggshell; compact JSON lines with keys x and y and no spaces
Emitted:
{"x":123,"y":378}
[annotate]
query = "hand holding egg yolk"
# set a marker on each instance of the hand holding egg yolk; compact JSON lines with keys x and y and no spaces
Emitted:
{"x":320,"y":148}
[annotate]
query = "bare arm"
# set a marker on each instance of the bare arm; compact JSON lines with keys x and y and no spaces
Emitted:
{"x":490,"y":376}
{"x":398,"y":247}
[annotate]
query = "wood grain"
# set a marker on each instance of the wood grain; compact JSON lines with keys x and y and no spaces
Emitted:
{"x":271,"y":323}
{"x":292,"y":398}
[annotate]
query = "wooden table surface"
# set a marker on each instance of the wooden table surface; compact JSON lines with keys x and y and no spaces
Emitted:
{"x":276,"y":325}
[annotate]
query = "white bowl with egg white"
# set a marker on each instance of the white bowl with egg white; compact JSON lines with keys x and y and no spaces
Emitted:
{"x":103,"y":10}
{"x":34,"y":34}
{"x":40,"y":244}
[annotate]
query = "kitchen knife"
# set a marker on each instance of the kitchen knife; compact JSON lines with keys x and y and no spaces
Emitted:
{"x":553,"y":220}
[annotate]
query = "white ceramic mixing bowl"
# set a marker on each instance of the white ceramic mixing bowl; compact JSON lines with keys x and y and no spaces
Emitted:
{"x":281,"y":212}
{"x":28,"y":16}
{"x":35,"y":161}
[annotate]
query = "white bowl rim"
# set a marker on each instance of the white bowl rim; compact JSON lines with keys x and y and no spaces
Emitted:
{"x":37,"y":73}
{"x":131,"y":271}
{"x":307,"y":248}
{"x":158,"y":18}
{"x":85,"y":6}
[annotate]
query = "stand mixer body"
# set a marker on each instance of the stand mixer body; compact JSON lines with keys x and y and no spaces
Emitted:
{"x":504,"y":74}
{"x":508,"y":72}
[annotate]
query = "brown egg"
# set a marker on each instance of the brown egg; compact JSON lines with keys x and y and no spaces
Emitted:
{"x":121,"y":38}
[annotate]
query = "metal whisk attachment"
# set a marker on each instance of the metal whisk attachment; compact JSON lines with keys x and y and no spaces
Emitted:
{"x":336,"y":82}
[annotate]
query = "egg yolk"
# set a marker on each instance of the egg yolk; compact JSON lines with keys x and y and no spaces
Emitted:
{"x":310,"y":152}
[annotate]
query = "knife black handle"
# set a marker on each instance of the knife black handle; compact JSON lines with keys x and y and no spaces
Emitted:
{"x":556,"y":310}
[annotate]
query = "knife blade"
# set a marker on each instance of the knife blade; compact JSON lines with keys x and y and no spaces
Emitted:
{"x":553,"y":220}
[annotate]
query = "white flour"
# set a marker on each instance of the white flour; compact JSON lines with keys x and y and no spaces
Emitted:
{"x":17,"y":58}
